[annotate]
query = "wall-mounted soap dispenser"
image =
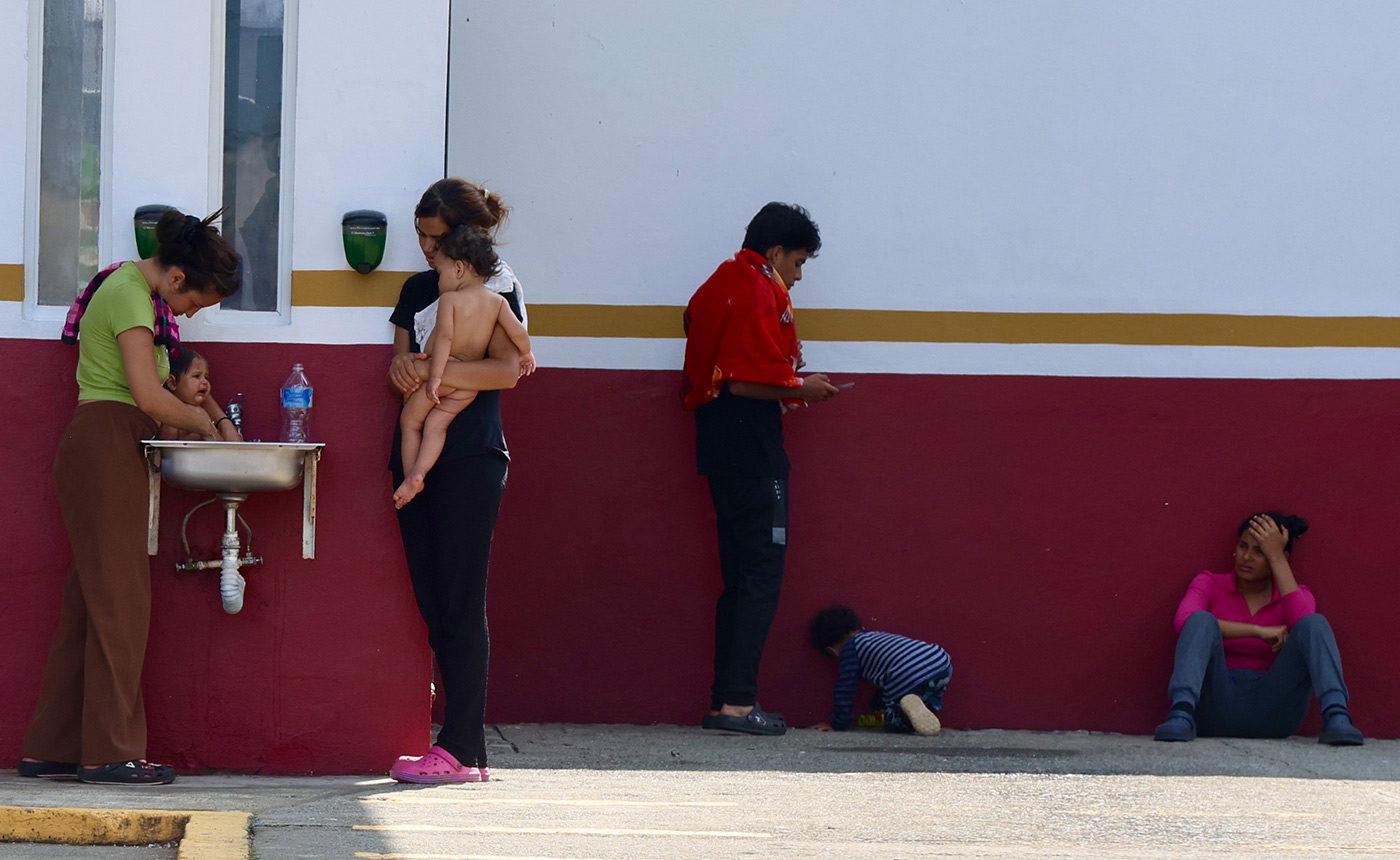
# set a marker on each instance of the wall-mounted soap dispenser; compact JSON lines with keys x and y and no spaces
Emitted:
{"x":364,"y":231}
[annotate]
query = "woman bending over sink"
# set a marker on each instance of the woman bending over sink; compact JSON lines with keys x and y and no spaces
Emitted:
{"x":90,"y":721}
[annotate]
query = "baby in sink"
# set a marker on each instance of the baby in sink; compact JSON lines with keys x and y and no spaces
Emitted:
{"x":189,"y":381}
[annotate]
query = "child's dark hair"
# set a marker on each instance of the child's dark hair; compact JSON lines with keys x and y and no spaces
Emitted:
{"x":181,"y":361}
{"x":833,"y":624}
{"x":208,"y":260}
{"x":784,"y":224}
{"x":459,"y":203}
{"x":1294,"y":525}
{"x":472,"y":245}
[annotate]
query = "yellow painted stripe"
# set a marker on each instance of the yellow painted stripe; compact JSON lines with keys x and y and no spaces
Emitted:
{"x":645,"y":321}
{"x":201,"y":835}
{"x":11,"y":282}
{"x":852,"y":325}
{"x":346,"y":288}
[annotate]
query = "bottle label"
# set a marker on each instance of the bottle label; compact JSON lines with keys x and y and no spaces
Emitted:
{"x":296,"y":398}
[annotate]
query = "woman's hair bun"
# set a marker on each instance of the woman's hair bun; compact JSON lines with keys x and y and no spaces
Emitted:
{"x":194,"y":244}
{"x":1296,"y":526}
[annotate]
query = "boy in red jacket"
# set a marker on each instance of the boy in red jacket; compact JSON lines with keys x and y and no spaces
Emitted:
{"x":741,"y":361}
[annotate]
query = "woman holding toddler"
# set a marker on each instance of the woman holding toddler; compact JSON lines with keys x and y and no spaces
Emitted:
{"x":447,"y":525}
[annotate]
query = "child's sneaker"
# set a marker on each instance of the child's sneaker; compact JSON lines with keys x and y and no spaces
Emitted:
{"x":924,"y":721}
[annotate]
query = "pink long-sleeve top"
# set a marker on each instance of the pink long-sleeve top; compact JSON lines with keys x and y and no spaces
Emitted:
{"x":1216,"y":594}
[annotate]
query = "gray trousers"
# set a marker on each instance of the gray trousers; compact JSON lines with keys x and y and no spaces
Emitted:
{"x":1247,"y":703}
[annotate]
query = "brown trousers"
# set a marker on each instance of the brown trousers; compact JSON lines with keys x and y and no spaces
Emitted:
{"x":90,"y":709}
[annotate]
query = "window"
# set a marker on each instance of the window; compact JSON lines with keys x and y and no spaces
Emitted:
{"x":70,"y":148}
{"x":254,"y":52}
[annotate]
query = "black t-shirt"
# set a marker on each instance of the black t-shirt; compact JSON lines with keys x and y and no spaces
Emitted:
{"x":740,"y":437}
{"x":477,"y":430}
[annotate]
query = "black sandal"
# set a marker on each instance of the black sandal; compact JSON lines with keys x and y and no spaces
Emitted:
{"x":48,"y":769}
{"x":137,"y":772}
{"x":757,"y":722}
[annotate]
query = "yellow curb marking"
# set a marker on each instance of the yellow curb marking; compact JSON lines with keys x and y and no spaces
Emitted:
{"x":572,"y":831}
{"x":216,"y":836}
{"x":201,"y":835}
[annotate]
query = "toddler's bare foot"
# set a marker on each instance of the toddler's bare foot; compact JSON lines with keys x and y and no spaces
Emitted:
{"x":411,"y":486}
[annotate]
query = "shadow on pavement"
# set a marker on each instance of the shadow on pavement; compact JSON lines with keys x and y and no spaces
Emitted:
{"x":681,"y":748}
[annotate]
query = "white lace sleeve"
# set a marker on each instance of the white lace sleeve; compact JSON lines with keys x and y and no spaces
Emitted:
{"x":504,"y":282}
{"x":423,"y":323}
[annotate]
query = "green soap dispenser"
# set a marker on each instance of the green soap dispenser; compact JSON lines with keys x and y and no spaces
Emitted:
{"x":364,"y":231}
{"x":146,"y":219}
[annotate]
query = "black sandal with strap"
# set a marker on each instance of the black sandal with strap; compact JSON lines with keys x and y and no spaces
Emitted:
{"x":757,"y":722}
{"x":137,"y":772}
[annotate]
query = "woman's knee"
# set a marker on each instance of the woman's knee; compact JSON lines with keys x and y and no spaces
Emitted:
{"x":1201,"y":621}
{"x":1311,"y":625}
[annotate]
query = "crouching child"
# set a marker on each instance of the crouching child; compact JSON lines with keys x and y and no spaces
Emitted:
{"x":911,"y":675}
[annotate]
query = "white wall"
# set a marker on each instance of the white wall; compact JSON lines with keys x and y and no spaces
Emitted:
{"x":370,"y":116}
{"x":161,"y":112}
{"x":370,"y":105}
{"x":14,"y":100}
{"x":1094,"y":155}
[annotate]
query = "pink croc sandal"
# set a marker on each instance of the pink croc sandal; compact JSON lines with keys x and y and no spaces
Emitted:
{"x":438,"y":766}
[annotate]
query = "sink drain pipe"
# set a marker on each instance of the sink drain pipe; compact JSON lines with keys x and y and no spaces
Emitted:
{"x":231,"y":582}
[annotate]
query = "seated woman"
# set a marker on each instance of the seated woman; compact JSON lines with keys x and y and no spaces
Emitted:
{"x":1252,"y":646}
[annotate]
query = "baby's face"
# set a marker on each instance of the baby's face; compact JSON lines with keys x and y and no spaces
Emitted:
{"x":193,"y":386}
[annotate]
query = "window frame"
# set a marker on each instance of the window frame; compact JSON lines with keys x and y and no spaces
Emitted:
{"x":32,"y":310}
{"x":220,"y":316}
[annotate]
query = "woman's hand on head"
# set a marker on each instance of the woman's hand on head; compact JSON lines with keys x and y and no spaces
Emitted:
{"x":1271,"y":536}
{"x":403,"y":372}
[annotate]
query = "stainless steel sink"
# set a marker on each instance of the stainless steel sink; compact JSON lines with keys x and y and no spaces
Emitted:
{"x":232,"y":470}
{"x":232,"y":467}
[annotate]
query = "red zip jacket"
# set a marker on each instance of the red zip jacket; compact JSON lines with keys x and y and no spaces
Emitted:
{"x":739,"y":326}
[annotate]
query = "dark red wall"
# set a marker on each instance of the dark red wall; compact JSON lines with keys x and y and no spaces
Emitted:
{"x":1041,"y":529}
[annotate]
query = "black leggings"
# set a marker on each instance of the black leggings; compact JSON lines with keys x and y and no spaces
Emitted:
{"x":446,"y":533}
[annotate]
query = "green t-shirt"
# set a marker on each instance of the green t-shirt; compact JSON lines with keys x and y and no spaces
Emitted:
{"x":123,"y":302}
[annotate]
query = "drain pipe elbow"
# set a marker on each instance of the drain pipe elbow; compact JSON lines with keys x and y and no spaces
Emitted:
{"x":231,"y":582}
{"x":231,"y":585}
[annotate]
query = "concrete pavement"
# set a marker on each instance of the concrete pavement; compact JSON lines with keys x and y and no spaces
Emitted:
{"x":612,"y":792}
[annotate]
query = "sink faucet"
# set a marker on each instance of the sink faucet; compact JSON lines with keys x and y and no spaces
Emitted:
{"x":235,"y":412}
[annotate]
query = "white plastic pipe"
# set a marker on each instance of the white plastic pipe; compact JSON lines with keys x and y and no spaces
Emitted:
{"x":231,"y":582}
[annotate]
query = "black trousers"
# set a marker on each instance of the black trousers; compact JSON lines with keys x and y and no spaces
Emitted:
{"x":751,"y":517}
{"x":446,"y":533}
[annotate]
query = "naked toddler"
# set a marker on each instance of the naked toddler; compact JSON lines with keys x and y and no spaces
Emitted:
{"x":467,"y":316}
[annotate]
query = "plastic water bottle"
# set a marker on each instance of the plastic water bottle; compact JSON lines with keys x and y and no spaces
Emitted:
{"x":296,"y":407}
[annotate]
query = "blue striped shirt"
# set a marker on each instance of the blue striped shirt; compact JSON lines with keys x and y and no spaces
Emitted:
{"x":896,"y":664}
